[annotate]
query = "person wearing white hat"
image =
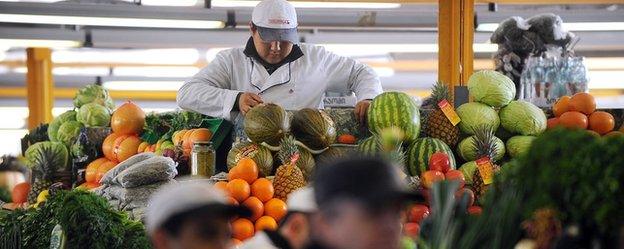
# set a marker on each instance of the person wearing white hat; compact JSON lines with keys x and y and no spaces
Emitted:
{"x":190,"y":215}
{"x":294,"y":229}
{"x":275,"y":68}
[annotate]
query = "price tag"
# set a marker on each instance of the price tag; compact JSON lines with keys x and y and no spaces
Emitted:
{"x":486,"y":170}
{"x":449,"y":112}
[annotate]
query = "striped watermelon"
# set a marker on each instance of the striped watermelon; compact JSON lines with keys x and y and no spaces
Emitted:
{"x":395,"y":109}
{"x":419,"y":152}
{"x":369,"y":146}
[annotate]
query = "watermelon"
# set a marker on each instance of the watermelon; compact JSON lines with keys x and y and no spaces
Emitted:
{"x":314,"y":128}
{"x":266,"y":123}
{"x":259,"y":154}
{"x":369,"y":146}
{"x":395,"y":109}
{"x":419,"y":152}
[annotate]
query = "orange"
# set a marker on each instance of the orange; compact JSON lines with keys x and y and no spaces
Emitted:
{"x":239,"y":189}
{"x":108,"y":145}
{"x":256,"y":207}
{"x":266,"y":223}
{"x":236,"y":243}
{"x":245,"y":169}
{"x":142,"y":147}
{"x":242,"y":229}
{"x":91,"y":170}
{"x":125,"y":147}
{"x":222,"y":186}
{"x":101,"y":171}
{"x":196,"y":135}
{"x":128,"y":119}
{"x":232,"y":201}
{"x":552,"y":123}
{"x":573,"y":119}
{"x":263,"y":189}
{"x":561,"y":106}
{"x":19,"y":194}
{"x":275,"y":208}
{"x":601,"y":122}
{"x":583,"y":102}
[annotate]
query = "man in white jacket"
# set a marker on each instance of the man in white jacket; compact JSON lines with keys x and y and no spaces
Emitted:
{"x":274,"y":68}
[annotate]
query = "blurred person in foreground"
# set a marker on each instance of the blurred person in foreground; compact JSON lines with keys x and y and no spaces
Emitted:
{"x":190,"y":215}
{"x":294,"y":229}
{"x":360,"y":203}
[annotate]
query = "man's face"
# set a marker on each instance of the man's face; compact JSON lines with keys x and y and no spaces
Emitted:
{"x":271,"y":51}
{"x":353,"y":226}
{"x":198,"y":234}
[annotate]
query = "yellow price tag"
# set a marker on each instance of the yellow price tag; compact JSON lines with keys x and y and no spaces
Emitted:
{"x":486,"y":170}
{"x":449,"y":112}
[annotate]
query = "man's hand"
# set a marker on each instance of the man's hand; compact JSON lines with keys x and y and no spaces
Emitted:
{"x":360,"y":110}
{"x":246,"y":101}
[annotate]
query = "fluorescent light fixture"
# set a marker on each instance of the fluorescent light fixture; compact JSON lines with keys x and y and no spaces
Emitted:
{"x":299,"y":4}
{"x":111,"y":21}
{"x":156,"y":71}
{"x":143,"y":85}
{"x":571,"y":26}
{"x":384,"y":72}
{"x":169,"y":2}
{"x":382,"y":49}
{"x":147,"y":56}
{"x":606,"y":80}
{"x":25,"y":43}
{"x":101,"y":71}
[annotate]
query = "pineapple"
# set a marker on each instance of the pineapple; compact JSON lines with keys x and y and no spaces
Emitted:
{"x":288,"y":177}
{"x":390,"y":144}
{"x":486,"y":146}
{"x":437,"y":125}
{"x":44,"y":173}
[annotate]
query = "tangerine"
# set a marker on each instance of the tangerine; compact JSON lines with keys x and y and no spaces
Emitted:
{"x":102,"y":169}
{"x":239,"y":189}
{"x":245,"y":169}
{"x":237,"y":243}
{"x":263,"y":189}
{"x":232,"y":201}
{"x":583,"y":102}
{"x":222,"y":186}
{"x":92,"y":169}
{"x":242,"y":229}
{"x":266,"y":223}
{"x":109,"y":145}
{"x":561,"y":106}
{"x":275,"y":208}
{"x":256,"y":207}
{"x":601,"y":122}
{"x":573,"y":119}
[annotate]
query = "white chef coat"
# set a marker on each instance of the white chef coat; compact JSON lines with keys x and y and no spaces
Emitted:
{"x":295,"y":85}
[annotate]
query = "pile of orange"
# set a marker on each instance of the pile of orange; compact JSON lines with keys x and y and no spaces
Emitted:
{"x":96,"y":170}
{"x":579,"y":112}
{"x":245,"y":188}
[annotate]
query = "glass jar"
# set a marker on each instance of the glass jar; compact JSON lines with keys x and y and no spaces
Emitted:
{"x":203,"y":159}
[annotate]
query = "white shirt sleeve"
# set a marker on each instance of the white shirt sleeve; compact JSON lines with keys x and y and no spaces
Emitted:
{"x":345,"y":73}
{"x":209,"y":91}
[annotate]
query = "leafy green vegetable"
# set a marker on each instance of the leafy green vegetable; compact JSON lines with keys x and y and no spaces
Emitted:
{"x":68,"y":132}
{"x":476,"y":114}
{"x":518,"y":145}
{"x":57,"y":122}
{"x":94,"y":115}
{"x":523,"y":118}
{"x":93,"y":94}
{"x":491,"y":88}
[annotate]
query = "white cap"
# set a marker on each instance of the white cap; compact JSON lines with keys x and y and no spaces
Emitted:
{"x":302,"y":200}
{"x":276,"y":20}
{"x":176,"y":198}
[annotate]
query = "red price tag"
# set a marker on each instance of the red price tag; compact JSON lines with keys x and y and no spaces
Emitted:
{"x":449,"y":112}
{"x":486,"y":170}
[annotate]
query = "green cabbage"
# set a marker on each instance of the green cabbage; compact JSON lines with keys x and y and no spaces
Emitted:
{"x":57,"y":122}
{"x":68,"y":132}
{"x":468,"y":151}
{"x":93,"y":94}
{"x":491,"y":88}
{"x":519,"y":145}
{"x":523,"y":118}
{"x":58,"y":158}
{"x":93,"y":115}
{"x":474,"y":115}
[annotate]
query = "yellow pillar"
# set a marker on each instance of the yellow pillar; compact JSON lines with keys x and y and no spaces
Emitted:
{"x":455,"y":40}
{"x":39,"y":85}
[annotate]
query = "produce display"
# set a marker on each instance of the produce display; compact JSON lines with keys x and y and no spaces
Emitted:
{"x":579,"y":112}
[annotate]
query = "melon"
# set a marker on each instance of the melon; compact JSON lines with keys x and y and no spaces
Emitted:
{"x":259,"y":154}
{"x":306,"y":163}
{"x":419,"y":152}
{"x":395,"y":109}
{"x":369,"y":146}
{"x":266,"y":123}
{"x":332,"y":154}
{"x":314,"y":128}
